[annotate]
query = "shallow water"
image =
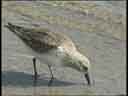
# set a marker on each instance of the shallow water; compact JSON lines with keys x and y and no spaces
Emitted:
{"x":107,"y":54}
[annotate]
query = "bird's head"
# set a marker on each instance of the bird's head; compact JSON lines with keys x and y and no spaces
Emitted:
{"x":74,"y":59}
{"x":85,"y":68}
{"x":80,"y":63}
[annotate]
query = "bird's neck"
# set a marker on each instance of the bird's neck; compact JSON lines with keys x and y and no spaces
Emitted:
{"x":76,"y":55}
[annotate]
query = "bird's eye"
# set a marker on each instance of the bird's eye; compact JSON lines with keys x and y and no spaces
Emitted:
{"x":85,"y":68}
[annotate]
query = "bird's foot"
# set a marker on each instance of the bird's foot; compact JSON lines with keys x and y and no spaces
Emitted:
{"x":35,"y":77}
{"x":50,"y":81}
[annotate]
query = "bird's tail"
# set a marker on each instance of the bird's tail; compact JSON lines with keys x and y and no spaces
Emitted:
{"x":14,"y":28}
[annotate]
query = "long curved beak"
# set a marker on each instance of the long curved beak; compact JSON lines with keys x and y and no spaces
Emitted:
{"x":87,"y":77}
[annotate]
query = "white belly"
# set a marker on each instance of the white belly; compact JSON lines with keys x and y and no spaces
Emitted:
{"x":52,"y":57}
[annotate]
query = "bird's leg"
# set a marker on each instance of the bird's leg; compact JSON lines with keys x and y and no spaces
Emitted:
{"x":35,"y":71}
{"x":52,"y":77}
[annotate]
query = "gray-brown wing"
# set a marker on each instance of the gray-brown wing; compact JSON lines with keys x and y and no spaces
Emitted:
{"x":39,"y":40}
{"x":44,"y":41}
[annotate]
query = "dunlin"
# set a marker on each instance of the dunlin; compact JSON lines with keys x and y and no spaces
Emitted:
{"x":52,"y":48}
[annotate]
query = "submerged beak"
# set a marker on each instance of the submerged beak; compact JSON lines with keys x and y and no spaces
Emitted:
{"x":87,"y":77}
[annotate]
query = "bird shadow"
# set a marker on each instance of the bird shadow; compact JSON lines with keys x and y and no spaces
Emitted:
{"x":22,"y":79}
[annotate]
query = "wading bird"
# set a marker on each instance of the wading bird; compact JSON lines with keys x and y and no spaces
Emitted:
{"x":52,"y":48}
